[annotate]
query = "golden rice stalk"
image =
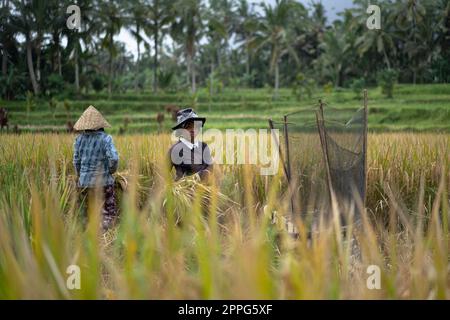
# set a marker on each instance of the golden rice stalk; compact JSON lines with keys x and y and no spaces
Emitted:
{"x":186,"y":189}
{"x":121,"y":181}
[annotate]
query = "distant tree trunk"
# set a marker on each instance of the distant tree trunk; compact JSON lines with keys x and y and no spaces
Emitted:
{"x":211,"y":86}
{"x":56,"y":60}
{"x":138,"y":42}
{"x":77,"y":72}
{"x":188,"y":72}
{"x":110,"y":71}
{"x":386,"y":59}
{"x":192,"y":70}
{"x":338,"y":75}
{"x":155,"y":60}
{"x":247,"y":67}
{"x":59,"y":62}
{"x":4,"y":61}
{"x":277,"y":80}
{"x":211,"y":80}
{"x":38,"y":58}
{"x":38,"y":65}
{"x":227,"y":58}
{"x":110,"y":77}
{"x":219,"y":61}
{"x":5,"y":52}
{"x":53,"y":55}
{"x":34,"y":83}
{"x":415,"y":43}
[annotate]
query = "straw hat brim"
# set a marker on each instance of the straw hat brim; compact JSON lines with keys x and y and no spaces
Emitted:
{"x":91,"y":119}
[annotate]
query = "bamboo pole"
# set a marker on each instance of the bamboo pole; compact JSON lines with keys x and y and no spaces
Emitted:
{"x":321,"y":129}
{"x":365,"y":144}
{"x":278,"y":146}
{"x":288,"y":160}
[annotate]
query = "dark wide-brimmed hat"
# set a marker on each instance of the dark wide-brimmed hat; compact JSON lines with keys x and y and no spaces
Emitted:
{"x":186,"y":115}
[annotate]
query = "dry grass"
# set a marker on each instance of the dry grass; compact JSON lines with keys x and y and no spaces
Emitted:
{"x":225,"y":247}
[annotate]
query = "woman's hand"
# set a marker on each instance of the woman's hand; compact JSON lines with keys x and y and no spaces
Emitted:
{"x":204,"y":174}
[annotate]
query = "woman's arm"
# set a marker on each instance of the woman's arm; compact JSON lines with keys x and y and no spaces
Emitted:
{"x":172,"y":161}
{"x":208,"y":161}
{"x":76,"y":156}
{"x":111,"y":154}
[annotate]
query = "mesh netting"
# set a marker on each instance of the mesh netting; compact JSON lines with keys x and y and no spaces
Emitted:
{"x":321,"y":150}
{"x":304,"y":162}
{"x":344,"y":147}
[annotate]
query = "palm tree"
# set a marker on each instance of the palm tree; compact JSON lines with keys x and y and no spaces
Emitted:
{"x":58,"y":26}
{"x":318,"y":25}
{"x":186,"y":29}
{"x":409,"y":17}
{"x":274,"y":31}
{"x":216,"y":32}
{"x":135,"y":25}
{"x":381,"y":41}
{"x":109,"y":13}
{"x":335,"y":52}
{"x":79,"y":39}
{"x":222,"y":22}
{"x":32,"y":19}
{"x":246,"y":27}
{"x":41,"y":22}
{"x":160,"y":16}
{"x":442,"y":12}
{"x":6,"y":34}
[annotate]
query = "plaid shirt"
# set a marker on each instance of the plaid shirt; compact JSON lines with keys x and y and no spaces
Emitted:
{"x":95,"y":159}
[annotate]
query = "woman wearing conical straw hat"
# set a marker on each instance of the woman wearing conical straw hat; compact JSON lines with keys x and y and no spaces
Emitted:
{"x":95,"y":159}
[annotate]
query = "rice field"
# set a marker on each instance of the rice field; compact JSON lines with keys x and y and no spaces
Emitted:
{"x":187,"y":240}
{"x":419,"y":108}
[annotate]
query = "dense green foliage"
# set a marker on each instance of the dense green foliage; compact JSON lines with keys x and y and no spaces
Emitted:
{"x":190,"y":43}
{"x":231,"y":252}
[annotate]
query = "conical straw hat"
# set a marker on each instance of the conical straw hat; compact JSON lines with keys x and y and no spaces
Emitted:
{"x":91,"y":119}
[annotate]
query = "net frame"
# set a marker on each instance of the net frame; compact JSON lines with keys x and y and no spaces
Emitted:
{"x":333,"y":191}
{"x":322,"y":132}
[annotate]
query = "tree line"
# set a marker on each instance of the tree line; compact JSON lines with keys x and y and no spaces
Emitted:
{"x":184,"y":44}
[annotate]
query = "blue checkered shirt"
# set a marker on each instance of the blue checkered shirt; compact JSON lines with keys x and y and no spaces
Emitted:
{"x":95,"y":159}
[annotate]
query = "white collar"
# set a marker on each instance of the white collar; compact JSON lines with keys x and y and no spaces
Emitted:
{"x":189,"y":144}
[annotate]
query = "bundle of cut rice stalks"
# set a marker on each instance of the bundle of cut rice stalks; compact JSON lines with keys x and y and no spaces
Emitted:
{"x":120,"y":185}
{"x":185,"y":191}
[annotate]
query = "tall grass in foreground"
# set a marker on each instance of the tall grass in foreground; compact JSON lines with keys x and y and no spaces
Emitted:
{"x":218,"y":242}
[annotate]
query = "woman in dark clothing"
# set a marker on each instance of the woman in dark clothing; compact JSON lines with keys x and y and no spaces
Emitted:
{"x":188,"y":155}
